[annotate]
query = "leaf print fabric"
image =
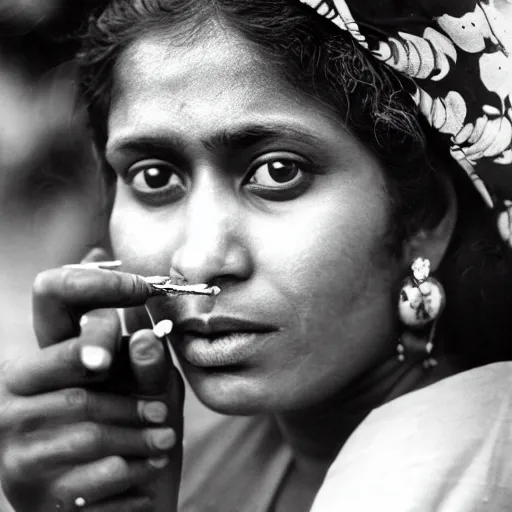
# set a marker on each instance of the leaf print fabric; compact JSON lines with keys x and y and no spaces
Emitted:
{"x":459,"y":54}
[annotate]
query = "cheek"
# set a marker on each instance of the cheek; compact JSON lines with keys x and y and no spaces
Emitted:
{"x":139,"y":238}
{"x":334,"y":272}
{"x":331,"y":247}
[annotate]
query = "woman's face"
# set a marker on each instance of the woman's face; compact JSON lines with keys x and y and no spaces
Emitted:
{"x":232,"y":177}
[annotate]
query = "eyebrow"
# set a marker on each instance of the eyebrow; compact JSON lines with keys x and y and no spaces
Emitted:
{"x":235,"y":139}
{"x":248,"y":136}
{"x":168,"y":145}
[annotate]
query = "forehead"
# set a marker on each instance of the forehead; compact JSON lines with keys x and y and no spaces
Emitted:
{"x":154,"y":67}
{"x":157,"y":59}
{"x":216,"y":80}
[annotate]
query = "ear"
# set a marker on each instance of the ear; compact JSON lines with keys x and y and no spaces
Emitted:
{"x":432,"y":242}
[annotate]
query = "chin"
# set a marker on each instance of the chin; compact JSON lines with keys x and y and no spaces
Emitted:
{"x":230,"y":392}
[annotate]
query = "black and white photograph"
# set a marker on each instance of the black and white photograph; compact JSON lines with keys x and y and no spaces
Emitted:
{"x":256,"y":255}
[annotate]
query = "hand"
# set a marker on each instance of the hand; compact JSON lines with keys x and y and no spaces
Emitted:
{"x":64,"y":432}
{"x":157,"y":379}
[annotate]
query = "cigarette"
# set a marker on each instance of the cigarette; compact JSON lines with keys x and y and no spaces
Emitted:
{"x":165,"y":285}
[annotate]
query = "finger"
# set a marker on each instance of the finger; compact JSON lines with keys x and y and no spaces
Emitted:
{"x":76,"y":362}
{"x":53,"y":368}
{"x":78,"y":405}
{"x":100,"y":338}
{"x":101,"y":480}
{"x":61,"y":296}
{"x":46,"y":452}
{"x":98,"y":254}
{"x":150,"y":364}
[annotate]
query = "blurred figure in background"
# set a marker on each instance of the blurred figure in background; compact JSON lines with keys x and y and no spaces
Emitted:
{"x":45,"y":203}
{"x":46,"y":198}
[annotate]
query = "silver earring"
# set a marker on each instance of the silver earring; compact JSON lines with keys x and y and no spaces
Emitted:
{"x":421,"y":301}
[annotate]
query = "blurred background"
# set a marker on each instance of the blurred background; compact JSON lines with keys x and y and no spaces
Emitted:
{"x":49,"y":185}
{"x":50,"y":189}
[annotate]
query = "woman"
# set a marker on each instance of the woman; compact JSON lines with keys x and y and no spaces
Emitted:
{"x":252,"y":146}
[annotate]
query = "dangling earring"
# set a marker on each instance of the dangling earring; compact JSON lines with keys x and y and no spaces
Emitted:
{"x":421,"y":301}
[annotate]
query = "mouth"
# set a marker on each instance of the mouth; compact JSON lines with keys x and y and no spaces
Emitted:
{"x":220,"y":341}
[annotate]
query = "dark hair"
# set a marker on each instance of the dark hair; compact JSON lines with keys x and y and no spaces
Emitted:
{"x":320,"y":60}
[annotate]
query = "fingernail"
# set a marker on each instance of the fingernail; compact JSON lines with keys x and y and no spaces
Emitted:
{"x":80,"y":502}
{"x":147,"y":351}
{"x":154,"y":412}
{"x":163,"y":329}
{"x":95,"y":358}
{"x":106,"y":265}
{"x":159,"y":462}
{"x":163,"y":439}
{"x":84,"y":320}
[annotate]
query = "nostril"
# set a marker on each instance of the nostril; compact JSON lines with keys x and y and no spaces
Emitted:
{"x":177,"y":277}
{"x":225,"y":281}
{"x":216,"y":262}
{"x":198,"y":265}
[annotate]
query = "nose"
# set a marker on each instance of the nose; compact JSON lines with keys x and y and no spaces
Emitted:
{"x":212,"y":247}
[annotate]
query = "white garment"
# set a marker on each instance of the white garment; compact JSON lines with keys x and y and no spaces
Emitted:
{"x":444,"y":448}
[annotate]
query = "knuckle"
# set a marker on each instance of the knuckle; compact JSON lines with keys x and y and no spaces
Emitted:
{"x":125,"y":284}
{"x":15,"y":419}
{"x":110,"y":324}
{"x":136,"y":285}
{"x":7,"y":411}
{"x":72,"y":282}
{"x":78,"y":400}
{"x":72,"y":356}
{"x":10,"y":373}
{"x":119,"y":284}
{"x":116,"y":466}
{"x":61,"y":494}
{"x":12,"y":463}
{"x":145,"y":504}
{"x":59,"y":281}
{"x":44,"y":283}
{"x":27,"y":424}
{"x":89,"y":436}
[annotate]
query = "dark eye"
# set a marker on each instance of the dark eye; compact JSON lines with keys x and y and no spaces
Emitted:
{"x":282,"y":174}
{"x":155,"y":179}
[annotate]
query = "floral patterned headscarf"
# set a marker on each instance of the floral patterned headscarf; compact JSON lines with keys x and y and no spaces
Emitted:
{"x":459,"y":54}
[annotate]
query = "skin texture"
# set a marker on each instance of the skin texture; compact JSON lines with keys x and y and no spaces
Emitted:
{"x":314,"y":266}
{"x":67,"y":431}
{"x":290,"y":220}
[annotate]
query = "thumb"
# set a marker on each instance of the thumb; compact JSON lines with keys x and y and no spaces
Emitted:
{"x":158,"y":379}
{"x":98,"y":254}
{"x":151,"y":361}
{"x":154,"y":373}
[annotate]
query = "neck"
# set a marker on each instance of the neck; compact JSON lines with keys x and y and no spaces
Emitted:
{"x":316,"y":434}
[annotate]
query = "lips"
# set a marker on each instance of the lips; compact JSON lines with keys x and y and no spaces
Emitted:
{"x":217,"y":326}
{"x":221,"y":341}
